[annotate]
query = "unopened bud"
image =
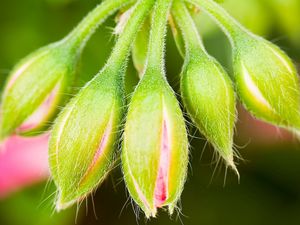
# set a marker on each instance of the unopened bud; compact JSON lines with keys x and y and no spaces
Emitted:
{"x":265,"y":78}
{"x":209,"y":98}
{"x":206,"y":89}
{"x":82,"y":143}
{"x":35,"y":88}
{"x":37,"y":85}
{"x":267,"y":82}
{"x":83,"y":138}
{"x":155,"y":148}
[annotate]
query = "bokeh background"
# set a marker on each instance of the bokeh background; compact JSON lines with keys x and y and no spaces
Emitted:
{"x":269,"y":189}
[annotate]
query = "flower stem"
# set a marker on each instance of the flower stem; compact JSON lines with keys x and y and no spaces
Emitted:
{"x":229,"y":25}
{"x":84,"y":30}
{"x":188,"y":28}
{"x":121,"y":49}
{"x":117,"y":59}
{"x":155,"y":57}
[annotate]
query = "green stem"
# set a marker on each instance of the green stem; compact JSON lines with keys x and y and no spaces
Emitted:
{"x":155,"y":57}
{"x":84,"y":30}
{"x":230,"y":26}
{"x":188,"y":28}
{"x":121,"y":50}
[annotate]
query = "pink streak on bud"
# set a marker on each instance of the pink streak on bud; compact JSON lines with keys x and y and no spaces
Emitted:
{"x":38,"y":117}
{"x":161,"y":188}
{"x":23,"y":161}
{"x":141,"y":195}
{"x":14,"y":77}
{"x":100,"y":150}
{"x":21,"y":70}
{"x":102,"y":145}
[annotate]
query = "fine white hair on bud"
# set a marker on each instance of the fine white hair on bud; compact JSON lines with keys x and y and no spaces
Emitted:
{"x":84,"y":135}
{"x":155,"y":148}
{"x":82,"y":143}
{"x":209,"y":98}
{"x":40,"y":83}
{"x":41,"y":114}
{"x":206,"y":89}
{"x":35,"y":88}
{"x":267,"y":82}
{"x":265,"y":78}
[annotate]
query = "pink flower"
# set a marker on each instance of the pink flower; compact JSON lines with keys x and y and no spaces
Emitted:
{"x":23,"y":162}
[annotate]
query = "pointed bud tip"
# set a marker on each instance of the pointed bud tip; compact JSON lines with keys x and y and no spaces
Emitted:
{"x":268,"y":86}
{"x":151,"y":214}
{"x":27,"y":108}
{"x":61,"y":204}
{"x":231,"y":164}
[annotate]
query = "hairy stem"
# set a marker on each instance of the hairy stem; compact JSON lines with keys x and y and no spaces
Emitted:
{"x":121,"y":50}
{"x":84,"y":30}
{"x":155,"y":57}
{"x":229,"y":25}
{"x":188,"y":28}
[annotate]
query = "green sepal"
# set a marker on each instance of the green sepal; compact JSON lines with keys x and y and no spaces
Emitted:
{"x":209,"y":98}
{"x":153,"y":102}
{"x":84,"y":137}
{"x":32,"y":80}
{"x":267,"y":82}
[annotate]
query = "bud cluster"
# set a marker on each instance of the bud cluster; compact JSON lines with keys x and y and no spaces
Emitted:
{"x":155,"y":152}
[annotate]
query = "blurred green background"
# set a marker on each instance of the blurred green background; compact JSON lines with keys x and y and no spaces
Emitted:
{"x":269,"y":189}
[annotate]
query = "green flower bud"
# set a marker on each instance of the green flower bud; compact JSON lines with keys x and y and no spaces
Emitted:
{"x":267,"y":82}
{"x":35,"y":88}
{"x":37,"y":85}
{"x":209,"y":98}
{"x":83,"y":138}
{"x":206,"y":89}
{"x":155,"y":148}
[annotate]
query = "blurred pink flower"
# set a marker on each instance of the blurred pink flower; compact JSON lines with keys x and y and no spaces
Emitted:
{"x":259,"y":132}
{"x":23,"y":162}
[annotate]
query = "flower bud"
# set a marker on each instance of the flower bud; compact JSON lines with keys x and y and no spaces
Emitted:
{"x":83,"y":138}
{"x":155,"y":148}
{"x":267,"y":82}
{"x":35,"y":88}
{"x":209,"y":98}
{"x":206,"y":89}
{"x":37,"y":85}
